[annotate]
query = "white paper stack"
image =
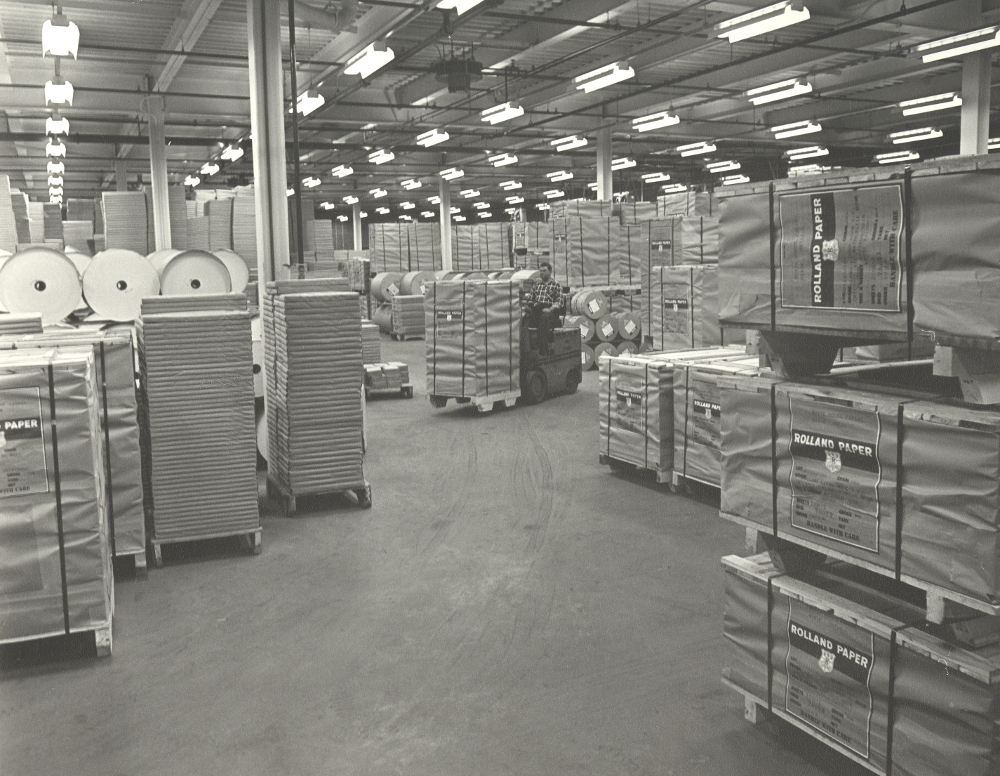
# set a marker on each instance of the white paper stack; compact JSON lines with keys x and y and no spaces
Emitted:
{"x":125,"y":221}
{"x":79,"y":235}
{"x":8,"y":225}
{"x":22,"y":224}
{"x":371,"y":345}
{"x":245,"y":225}
{"x":178,"y":217}
{"x":36,"y":222}
{"x":199,"y":232}
{"x":15,"y":324}
{"x":201,"y":454}
{"x":408,"y":315}
{"x":52,"y":221}
{"x":312,"y":351}
{"x":322,"y":235}
{"x":220,"y":223}
{"x":80,"y":210}
{"x":158,"y":305}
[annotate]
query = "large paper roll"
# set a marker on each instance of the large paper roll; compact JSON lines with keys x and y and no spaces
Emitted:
{"x":80,"y":260}
{"x":606,"y":328}
{"x":194,"y":272}
{"x":629,"y":324}
{"x":40,"y":280}
{"x":115,"y":282}
{"x":385,"y":285}
{"x":586,"y":356}
{"x":605,"y":350}
{"x":588,"y":331}
{"x":414,"y":283}
{"x":239,"y":270}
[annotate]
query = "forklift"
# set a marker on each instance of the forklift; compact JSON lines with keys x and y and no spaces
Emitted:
{"x":550,"y":373}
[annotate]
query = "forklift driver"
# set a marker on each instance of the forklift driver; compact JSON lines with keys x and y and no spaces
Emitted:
{"x":543,"y":306}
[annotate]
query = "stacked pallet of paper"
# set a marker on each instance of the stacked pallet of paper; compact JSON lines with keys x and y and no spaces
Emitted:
{"x":582,"y":208}
{"x":220,"y":223}
{"x":371,"y":345}
{"x":16,"y":324}
{"x":197,"y":404}
{"x":52,"y":221}
{"x":855,"y":669}
{"x":36,"y":222}
{"x":358,"y":273}
{"x":8,"y":224}
{"x":494,"y":246}
{"x":586,"y":251}
{"x":635,"y":212}
{"x":158,"y":305}
{"x":114,"y":367}
{"x":389,"y":376}
{"x":22,"y":221}
{"x":425,"y":246}
{"x":56,"y":563}
{"x":389,"y":246}
{"x":79,"y":235}
{"x":343,"y":236}
{"x":245,"y":225}
{"x":473,"y":338}
{"x":464,"y":247}
{"x":686,"y":203}
{"x":124,"y":215}
{"x":315,"y":377}
{"x":532,"y":240}
{"x":80,"y":210}
{"x":321,"y":234}
{"x":199,"y":232}
{"x":667,"y":242}
{"x":408,"y":315}
{"x":680,"y":307}
{"x":178,"y":217}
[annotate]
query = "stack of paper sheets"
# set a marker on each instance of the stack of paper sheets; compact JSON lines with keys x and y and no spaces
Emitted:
{"x":408,"y":315}
{"x":178,"y":217}
{"x":199,"y":232}
{"x":389,"y":376}
{"x":79,"y":235}
{"x":198,"y":398}
{"x":312,"y":352}
{"x":8,"y":225}
{"x":125,"y":220}
{"x":371,"y":345}
{"x":154,"y":305}
{"x":15,"y":324}
{"x":220,"y":223}
{"x":245,"y":226}
{"x":52,"y":221}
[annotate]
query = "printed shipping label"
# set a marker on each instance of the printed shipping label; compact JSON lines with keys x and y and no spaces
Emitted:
{"x":593,"y":305}
{"x":840,"y":248}
{"x":629,"y":327}
{"x":829,"y":665}
{"x":22,"y":443}
{"x":836,"y":472}
{"x":628,"y":411}
{"x":676,"y":317}
{"x":607,"y":329}
{"x":393,"y":289}
{"x":450,"y":323}
{"x":703,"y":426}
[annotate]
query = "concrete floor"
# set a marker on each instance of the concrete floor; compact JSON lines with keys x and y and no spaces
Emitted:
{"x":508,"y":606}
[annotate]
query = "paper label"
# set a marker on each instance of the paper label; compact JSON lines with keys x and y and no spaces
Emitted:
{"x":840,"y":248}
{"x":423,"y":288}
{"x":628,"y":414}
{"x":676,"y":316}
{"x":836,"y":472}
{"x":829,"y":665}
{"x":392,"y":290}
{"x":629,"y":326}
{"x":450,"y":323}
{"x":22,"y":443}
{"x":593,"y":305}
{"x":607,"y":329}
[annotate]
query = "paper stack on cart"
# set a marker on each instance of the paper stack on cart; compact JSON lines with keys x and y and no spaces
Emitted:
{"x":312,"y":351}
{"x":201,"y":452}
{"x":408,"y":315}
{"x":371,"y":345}
{"x":55,"y":562}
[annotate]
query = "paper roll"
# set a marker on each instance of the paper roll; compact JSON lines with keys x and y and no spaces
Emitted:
{"x":194,"y":272}
{"x":239,"y":271}
{"x":605,"y":350}
{"x":586,"y":356}
{"x":257,"y":350}
{"x":40,"y":280}
{"x":159,"y":259}
{"x":80,"y":260}
{"x":385,"y":285}
{"x":115,"y":282}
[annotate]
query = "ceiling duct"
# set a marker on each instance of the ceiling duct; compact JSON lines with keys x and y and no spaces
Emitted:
{"x":458,"y":72}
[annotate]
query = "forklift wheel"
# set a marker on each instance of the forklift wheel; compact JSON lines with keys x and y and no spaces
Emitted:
{"x":535,"y":386}
{"x":573,"y":379}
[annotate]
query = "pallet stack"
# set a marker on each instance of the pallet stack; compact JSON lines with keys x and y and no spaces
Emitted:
{"x":408,"y":316}
{"x":681,"y":307}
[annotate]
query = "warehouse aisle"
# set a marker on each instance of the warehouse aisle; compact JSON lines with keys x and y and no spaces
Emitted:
{"x":506,"y":607}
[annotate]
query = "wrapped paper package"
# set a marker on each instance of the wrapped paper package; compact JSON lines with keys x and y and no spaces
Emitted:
{"x":531,"y":237}
{"x":408,"y":315}
{"x":586,"y":251}
{"x":494,"y":246}
{"x":685,"y":203}
{"x":371,"y":345}
{"x":55,"y":560}
{"x":680,"y":307}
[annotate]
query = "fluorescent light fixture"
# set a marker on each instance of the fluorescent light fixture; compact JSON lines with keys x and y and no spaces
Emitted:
{"x":327,"y":205}
{"x":796,"y":128}
{"x":727,"y":166}
{"x":655,"y":121}
{"x":311,"y":182}
{"x":460,"y":6}
{"x":58,"y":92}
{"x":455,"y":210}
{"x":696,"y":149}
{"x":435,"y":200}
{"x":515,"y":200}
{"x":363,"y":214}
{"x":55,"y":148}
{"x":381,"y":156}
{"x":622,"y":164}
{"x":503,"y":112}
{"x":510,"y":210}
{"x":932,"y":103}
{"x":485,"y":215}
{"x":58,"y":168}
{"x":309,"y":101}
{"x":57,"y":126}
{"x":673,"y":188}
{"x":350,"y":199}
{"x":569,"y":143}
{"x":810,"y":152}
{"x":55,"y":191}
{"x":232,"y":152}
{"x":559,"y":175}
{"x":896,"y":157}
{"x":458,"y":218}
{"x":915,"y":135}
{"x":342,"y":171}
{"x":992,"y":144}
{"x":55,"y":199}
{"x":782,"y":90}
{"x":60,"y":37}
{"x":957,"y":45}
{"x":407,"y":205}
{"x":55,"y":180}
{"x":807,"y":169}
{"x":379,"y":193}
{"x":288,"y":192}
{"x":405,"y":217}
{"x":604,"y":76}
{"x":382,"y":211}
{"x":543,"y":206}
{"x":592,"y":186}
{"x":367,"y":61}
{"x":435,"y":136}
{"x":209,"y":168}
{"x":341,"y":218}
{"x":481,"y":205}
{"x":192,"y":180}
{"x":503,"y":160}
{"x":427,"y":213}
{"x":554,"y":194}
{"x":762,"y":21}
{"x":451,"y":173}
{"x":510,"y":185}
{"x":470,"y":193}
{"x":411,"y":184}
{"x":729,"y":180}
{"x":652,"y":177}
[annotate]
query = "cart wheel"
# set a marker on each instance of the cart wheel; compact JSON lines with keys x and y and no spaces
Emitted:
{"x":535,"y":386}
{"x":364,"y":497}
{"x":573,"y":379}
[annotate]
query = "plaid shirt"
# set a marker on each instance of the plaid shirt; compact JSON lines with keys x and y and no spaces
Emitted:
{"x":547,"y":292}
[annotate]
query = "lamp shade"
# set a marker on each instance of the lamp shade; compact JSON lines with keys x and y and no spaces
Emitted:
{"x":60,"y":37}
{"x":58,"y":92}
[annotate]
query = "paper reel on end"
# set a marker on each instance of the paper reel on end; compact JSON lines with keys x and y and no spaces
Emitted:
{"x":194,"y":272}
{"x":115,"y":282}
{"x":40,"y":280}
{"x":239,"y":271}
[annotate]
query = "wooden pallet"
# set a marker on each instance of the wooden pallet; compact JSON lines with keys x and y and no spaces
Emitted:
{"x":406,"y":391}
{"x":362,"y":494}
{"x":401,"y":336}
{"x":976,"y":364}
{"x":618,"y":465}
{"x":484,"y":404}
{"x":138,"y":562}
{"x":253,"y":540}
{"x":681,"y":483}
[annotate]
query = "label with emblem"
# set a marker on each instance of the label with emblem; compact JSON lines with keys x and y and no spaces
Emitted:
{"x":22,"y":443}
{"x":449,"y":323}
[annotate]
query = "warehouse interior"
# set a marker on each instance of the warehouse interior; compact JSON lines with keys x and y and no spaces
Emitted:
{"x":745,"y":522}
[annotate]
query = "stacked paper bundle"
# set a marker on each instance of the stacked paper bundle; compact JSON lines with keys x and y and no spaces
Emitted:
{"x":531,"y":240}
{"x":371,"y":345}
{"x":8,"y":224}
{"x":322,"y":237}
{"x":681,"y":307}
{"x":198,"y":230}
{"x":312,"y":351}
{"x":22,"y":222}
{"x":178,"y":217}
{"x":580,"y":208}
{"x":36,"y":222}
{"x":390,"y":376}
{"x":685,"y":203}
{"x":125,"y":220}
{"x":635,"y":212}
{"x":98,"y":217}
{"x":245,"y":225}
{"x":114,"y":361}
{"x":494,"y":245}
{"x":408,"y":315}
{"x":343,"y":236}
{"x":52,"y":221}
{"x":198,"y":401}
{"x":157,"y":305}
{"x":220,"y":223}
{"x":12,"y":325}
{"x":150,"y":219}
{"x":79,"y":235}
{"x":80,"y":210}
{"x":55,"y":568}
{"x":586,"y":251}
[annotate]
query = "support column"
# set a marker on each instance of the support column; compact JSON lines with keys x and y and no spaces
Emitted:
{"x":267,"y":120}
{"x":121,"y":175}
{"x":976,"y":77}
{"x":444,"y":192}
{"x":605,"y":189}
{"x":356,"y":223}
{"x":158,"y":171}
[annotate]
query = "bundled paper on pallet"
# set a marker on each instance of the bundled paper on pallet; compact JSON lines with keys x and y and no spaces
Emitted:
{"x":473,"y":334}
{"x":408,"y":315}
{"x":55,"y":563}
{"x":371,"y":345}
{"x":125,"y":220}
{"x":680,"y":307}
{"x":586,"y":251}
{"x":114,"y":369}
{"x":424,"y":247}
{"x":197,"y":402}
{"x":199,"y":232}
{"x":388,"y":246}
{"x":635,"y":212}
{"x":685,"y":203}
{"x":8,"y":223}
{"x":80,"y":210}
{"x":220,"y":223}
{"x":531,"y":239}
{"x":313,"y":363}
{"x":17,"y":324}
{"x":389,"y":376}
{"x":494,"y":246}
{"x":245,"y":225}
{"x":79,"y":235}
{"x":583,"y":208}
